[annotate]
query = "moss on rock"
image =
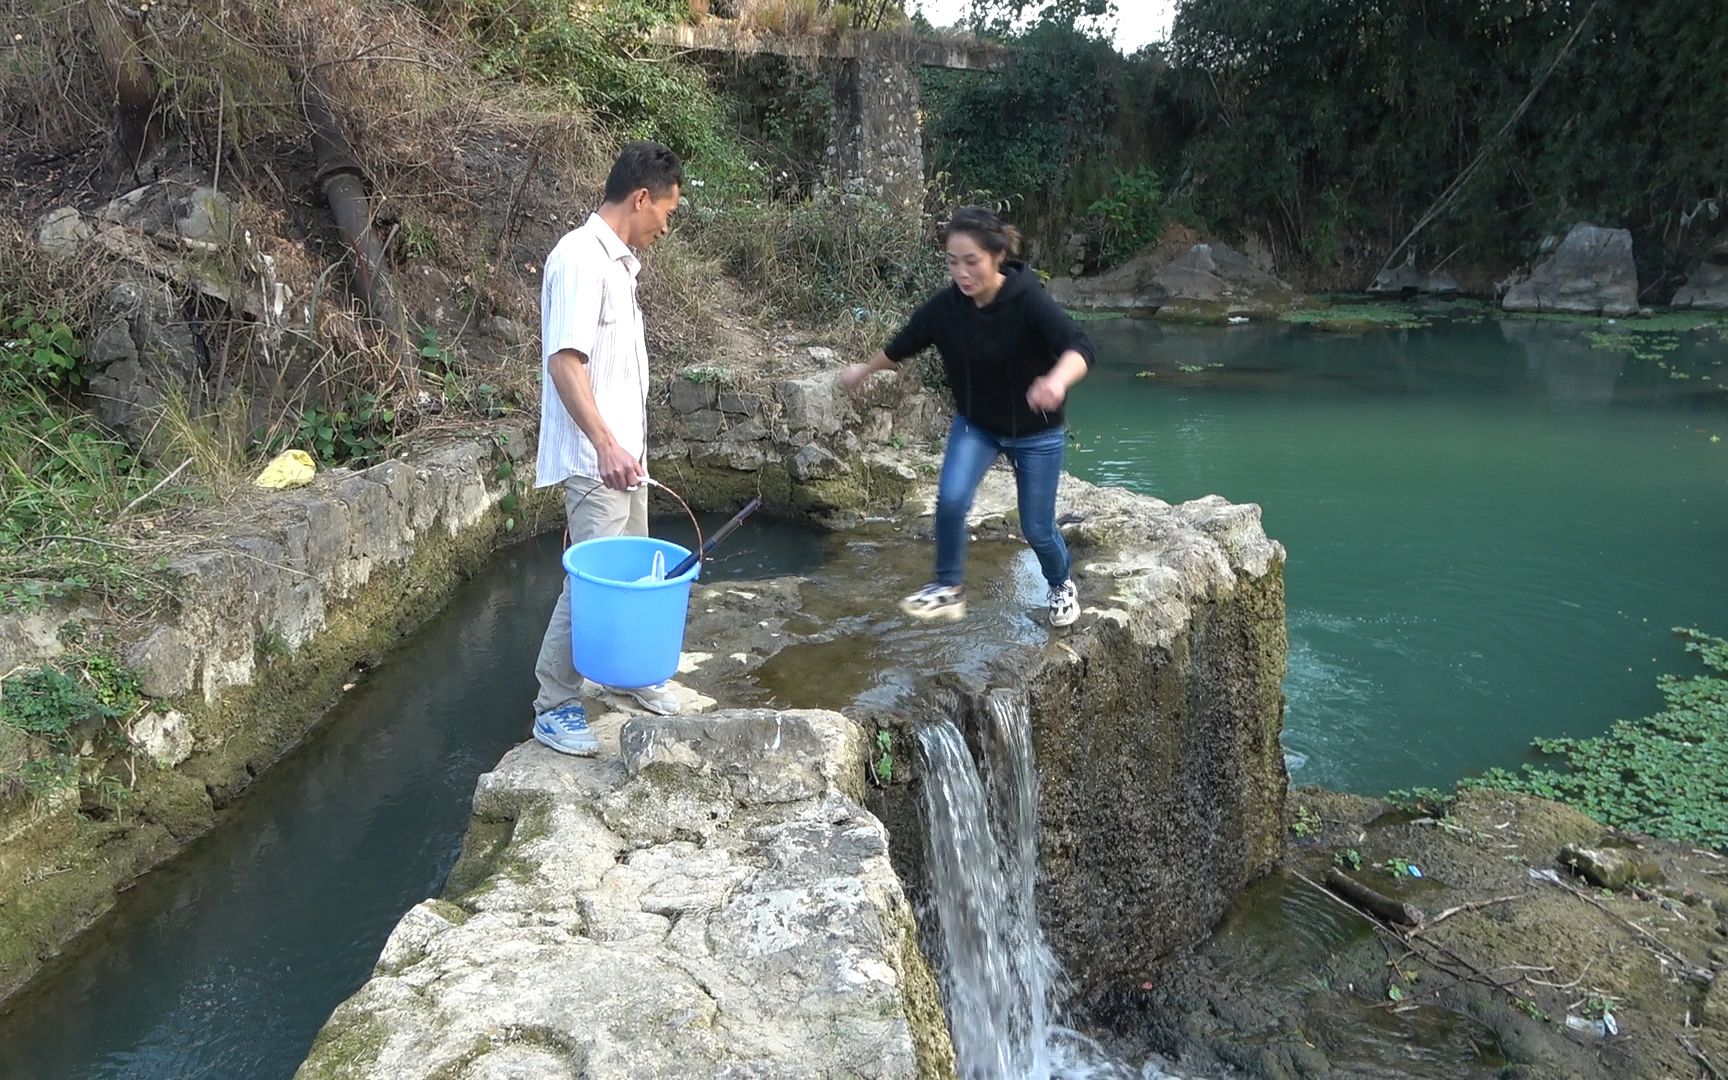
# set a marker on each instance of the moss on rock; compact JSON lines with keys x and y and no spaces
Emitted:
{"x":922,"y":1001}
{"x":177,"y":801}
{"x":347,"y":1048}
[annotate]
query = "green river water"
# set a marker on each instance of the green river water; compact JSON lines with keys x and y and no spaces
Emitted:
{"x":1492,"y":524}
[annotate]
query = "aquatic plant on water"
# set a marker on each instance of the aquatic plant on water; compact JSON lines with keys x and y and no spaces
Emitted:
{"x":1355,"y":317}
{"x":1666,"y":774}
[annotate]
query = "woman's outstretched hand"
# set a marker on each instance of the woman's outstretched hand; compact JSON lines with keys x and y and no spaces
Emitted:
{"x":853,"y":377}
{"x":1047,"y":392}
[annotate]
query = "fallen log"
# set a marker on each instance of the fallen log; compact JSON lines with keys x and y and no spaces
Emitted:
{"x":1382,"y":907}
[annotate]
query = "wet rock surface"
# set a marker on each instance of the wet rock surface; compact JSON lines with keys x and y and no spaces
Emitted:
{"x":1298,"y":983}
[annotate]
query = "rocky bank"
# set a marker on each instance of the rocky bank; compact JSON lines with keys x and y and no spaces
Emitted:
{"x":1525,"y":959}
{"x":720,"y":900}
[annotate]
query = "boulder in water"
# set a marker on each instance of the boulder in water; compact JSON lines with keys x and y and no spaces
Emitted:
{"x":1591,"y":272}
{"x":1407,"y":280}
{"x":1706,"y":288}
{"x":1201,"y":278}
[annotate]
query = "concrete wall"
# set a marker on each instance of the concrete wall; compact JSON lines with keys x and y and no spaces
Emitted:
{"x":876,"y":151}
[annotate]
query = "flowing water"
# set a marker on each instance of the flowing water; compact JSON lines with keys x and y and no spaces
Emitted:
{"x":1001,"y":984}
{"x":1492,"y":525}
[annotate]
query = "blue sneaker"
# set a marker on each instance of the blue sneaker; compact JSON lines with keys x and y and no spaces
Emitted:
{"x":565,"y":729}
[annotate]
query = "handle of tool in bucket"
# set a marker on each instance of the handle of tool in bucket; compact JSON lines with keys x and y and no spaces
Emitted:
{"x":720,"y":534}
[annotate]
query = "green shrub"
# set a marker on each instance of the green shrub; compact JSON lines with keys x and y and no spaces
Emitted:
{"x":38,"y":346}
{"x":595,"y":55}
{"x":355,"y":432}
{"x":1130,"y":216}
{"x":63,"y":480}
{"x":48,"y":713}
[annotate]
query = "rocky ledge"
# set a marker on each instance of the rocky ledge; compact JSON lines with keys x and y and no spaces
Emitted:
{"x":707,"y":899}
{"x":1199,"y":281}
{"x":711,"y":896}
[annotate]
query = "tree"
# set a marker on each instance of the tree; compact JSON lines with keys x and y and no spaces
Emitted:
{"x":1002,"y":17}
{"x":1334,"y":126}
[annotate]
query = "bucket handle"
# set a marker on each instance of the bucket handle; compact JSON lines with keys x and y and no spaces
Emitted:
{"x":693,"y":524}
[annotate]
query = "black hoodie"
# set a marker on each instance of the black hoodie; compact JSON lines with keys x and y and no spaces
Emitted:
{"x":993,"y":353}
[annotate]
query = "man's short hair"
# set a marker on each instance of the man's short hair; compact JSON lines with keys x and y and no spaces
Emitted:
{"x":643,"y":165}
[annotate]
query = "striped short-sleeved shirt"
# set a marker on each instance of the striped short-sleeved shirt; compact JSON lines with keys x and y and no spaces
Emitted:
{"x":588,"y":304}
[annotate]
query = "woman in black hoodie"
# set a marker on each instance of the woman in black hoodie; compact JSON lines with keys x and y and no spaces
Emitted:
{"x":1010,"y":354}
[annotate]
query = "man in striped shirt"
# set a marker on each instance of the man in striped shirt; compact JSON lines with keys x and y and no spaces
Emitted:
{"x":594,"y":405}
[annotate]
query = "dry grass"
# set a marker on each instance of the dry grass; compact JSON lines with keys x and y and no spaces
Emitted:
{"x":462,"y":161}
{"x":31,"y":279}
{"x":816,"y":262}
{"x":795,"y":18}
{"x":472,"y":178}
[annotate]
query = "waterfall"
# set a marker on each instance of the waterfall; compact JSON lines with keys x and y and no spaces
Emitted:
{"x":1001,"y":983}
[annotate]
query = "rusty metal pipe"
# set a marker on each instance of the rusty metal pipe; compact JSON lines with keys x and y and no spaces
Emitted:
{"x":343,"y":184}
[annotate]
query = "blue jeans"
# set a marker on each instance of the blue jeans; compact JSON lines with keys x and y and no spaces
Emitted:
{"x":1037,"y":461}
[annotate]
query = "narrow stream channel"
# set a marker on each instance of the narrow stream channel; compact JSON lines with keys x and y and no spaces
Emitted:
{"x":225,"y":963}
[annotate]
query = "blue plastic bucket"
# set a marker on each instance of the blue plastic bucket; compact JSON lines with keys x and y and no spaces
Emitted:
{"x":626,"y":632}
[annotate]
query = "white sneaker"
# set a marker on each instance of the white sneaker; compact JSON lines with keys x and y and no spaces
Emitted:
{"x":659,"y":698}
{"x":565,"y":729}
{"x":936,"y":602}
{"x":1064,"y":604}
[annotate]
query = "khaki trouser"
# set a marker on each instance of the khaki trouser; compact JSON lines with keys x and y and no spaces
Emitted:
{"x":602,"y":512}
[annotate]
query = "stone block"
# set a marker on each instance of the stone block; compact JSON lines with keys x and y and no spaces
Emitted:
{"x":734,"y":403}
{"x":767,"y":757}
{"x":166,"y":661}
{"x":166,"y":738}
{"x":688,"y":395}
{"x":63,"y":233}
{"x":703,"y":425}
{"x":813,"y":462}
{"x":1611,"y":867}
{"x":812,"y":404}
